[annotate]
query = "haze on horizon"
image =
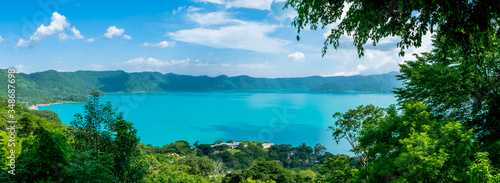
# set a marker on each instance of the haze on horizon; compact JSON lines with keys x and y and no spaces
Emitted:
{"x":198,"y":37}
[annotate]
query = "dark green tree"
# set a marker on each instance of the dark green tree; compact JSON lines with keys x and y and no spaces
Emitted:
{"x":459,"y":87}
{"x":180,"y":147}
{"x":481,"y":171}
{"x":103,"y":131}
{"x":319,"y":149}
{"x":222,"y":147}
{"x":411,"y":145}
{"x":350,"y":124}
{"x":206,"y":149}
{"x":199,"y":165}
{"x":125,"y":143}
{"x":89,"y":167}
{"x":93,"y":128}
{"x":264,"y":171}
{"x":43,"y":160}
{"x":337,"y":169}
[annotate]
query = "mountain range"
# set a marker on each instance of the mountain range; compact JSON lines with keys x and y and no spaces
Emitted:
{"x":53,"y":86}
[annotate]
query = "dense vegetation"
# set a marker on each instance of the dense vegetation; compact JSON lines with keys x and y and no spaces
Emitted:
{"x":52,"y":86}
{"x":446,"y":125}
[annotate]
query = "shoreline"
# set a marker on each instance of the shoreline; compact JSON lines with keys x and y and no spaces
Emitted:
{"x":35,"y":107}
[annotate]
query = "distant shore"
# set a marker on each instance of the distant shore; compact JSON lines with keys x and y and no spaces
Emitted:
{"x":35,"y":107}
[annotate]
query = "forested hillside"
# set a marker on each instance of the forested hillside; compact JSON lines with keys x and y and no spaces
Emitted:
{"x":52,"y":86}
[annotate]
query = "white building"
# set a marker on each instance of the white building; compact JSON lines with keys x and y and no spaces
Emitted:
{"x":233,"y":145}
{"x":267,"y":145}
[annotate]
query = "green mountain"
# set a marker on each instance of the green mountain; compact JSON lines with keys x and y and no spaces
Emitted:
{"x":52,"y":86}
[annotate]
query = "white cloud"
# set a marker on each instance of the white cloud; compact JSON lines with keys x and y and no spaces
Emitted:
{"x":56,"y":27}
{"x":112,"y":32}
{"x":193,"y":9}
{"x":90,"y":40}
{"x":247,"y":36}
{"x":178,"y":10}
{"x":375,"y":60}
{"x":387,"y":40}
{"x":127,"y":37}
{"x":22,"y":43}
{"x":213,"y":18}
{"x":296,"y":56}
{"x":227,"y":32}
{"x":225,"y":65}
{"x":360,"y":68}
{"x":254,"y":4}
{"x":1,"y":39}
{"x":76,"y":33}
{"x":165,"y":44}
{"x":154,"y":62}
{"x":162,"y":44}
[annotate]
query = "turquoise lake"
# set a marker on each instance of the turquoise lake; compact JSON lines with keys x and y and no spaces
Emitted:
{"x":277,"y":116}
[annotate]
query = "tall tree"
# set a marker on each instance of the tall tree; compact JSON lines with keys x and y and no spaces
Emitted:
{"x":319,"y":149}
{"x":125,"y":144}
{"x":350,"y":124}
{"x":104,"y":131}
{"x":93,"y":128}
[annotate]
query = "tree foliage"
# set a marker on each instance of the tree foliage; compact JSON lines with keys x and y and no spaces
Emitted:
{"x":350,"y":124}
{"x":481,"y":170}
{"x":457,"y":90}
{"x":413,"y":146}
{"x":319,"y":149}
{"x":338,"y":169}
{"x":102,"y":130}
{"x":264,"y":171}
{"x":44,"y":159}
{"x":457,"y":23}
{"x":87,"y":166}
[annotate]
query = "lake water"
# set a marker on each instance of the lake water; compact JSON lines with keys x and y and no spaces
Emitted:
{"x":277,"y":116}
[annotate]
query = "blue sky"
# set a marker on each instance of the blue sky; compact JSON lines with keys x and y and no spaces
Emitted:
{"x":196,"y":37}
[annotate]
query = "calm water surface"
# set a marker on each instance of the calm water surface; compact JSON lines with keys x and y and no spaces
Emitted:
{"x":278,"y":116}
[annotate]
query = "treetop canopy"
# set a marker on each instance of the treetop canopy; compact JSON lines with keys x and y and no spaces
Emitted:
{"x":458,"y":23}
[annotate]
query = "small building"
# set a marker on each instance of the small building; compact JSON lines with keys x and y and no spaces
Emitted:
{"x":267,"y":145}
{"x":233,"y":145}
